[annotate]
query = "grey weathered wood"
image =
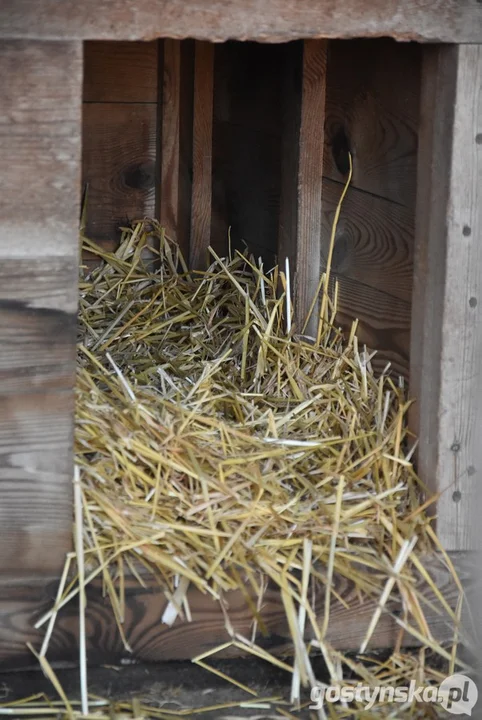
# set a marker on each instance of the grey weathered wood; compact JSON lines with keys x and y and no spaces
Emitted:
{"x":446,"y":346}
{"x":40,"y":132}
{"x":218,"y":20}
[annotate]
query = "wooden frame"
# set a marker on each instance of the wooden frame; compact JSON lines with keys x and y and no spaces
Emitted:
{"x":39,"y":209}
{"x":456,"y":21}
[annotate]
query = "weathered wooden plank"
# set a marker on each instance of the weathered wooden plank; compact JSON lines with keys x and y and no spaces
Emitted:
{"x":176,"y":130}
{"x":151,"y":640}
{"x":120,"y":72}
{"x":247,"y":146}
{"x":304,"y":248}
{"x":373,"y":243}
{"x":219,"y":20}
{"x":372,"y":109}
{"x":202,"y":154}
{"x":446,"y":346}
{"x":40,"y":132}
{"x":118,"y":164}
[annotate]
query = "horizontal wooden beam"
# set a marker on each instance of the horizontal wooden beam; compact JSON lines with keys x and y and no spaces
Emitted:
{"x":21,"y":603}
{"x":456,"y":21}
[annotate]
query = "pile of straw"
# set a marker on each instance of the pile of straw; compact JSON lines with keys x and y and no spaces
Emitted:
{"x":215,"y":448}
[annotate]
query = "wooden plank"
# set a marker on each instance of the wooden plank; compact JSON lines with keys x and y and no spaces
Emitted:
{"x":120,"y":72}
{"x":220,"y":20}
{"x":446,"y":347}
{"x":372,"y":109}
{"x":383,"y":322}
{"x":247,"y":146}
{"x":118,"y":164}
{"x":373,"y":243}
{"x":176,"y":128}
{"x":153,"y":641}
{"x":304,"y":248}
{"x":40,"y":133}
{"x":202,"y":154}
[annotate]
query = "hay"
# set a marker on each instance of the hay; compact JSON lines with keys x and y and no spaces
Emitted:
{"x":216,"y":447}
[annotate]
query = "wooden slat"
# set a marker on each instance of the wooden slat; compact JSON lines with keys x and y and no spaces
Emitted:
{"x":120,"y":72}
{"x":304,"y":247}
{"x":202,"y":154}
{"x":175,"y":156}
{"x":151,"y":640}
{"x":310,"y":167}
{"x":119,"y":156}
{"x":219,"y":20}
{"x":372,"y":109}
{"x":40,"y":132}
{"x":446,"y":372}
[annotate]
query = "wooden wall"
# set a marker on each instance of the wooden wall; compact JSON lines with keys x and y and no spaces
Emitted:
{"x":372,"y":108}
{"x":119,"y":135}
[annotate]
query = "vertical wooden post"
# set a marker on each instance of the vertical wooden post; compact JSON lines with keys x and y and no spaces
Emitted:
{"x":40,"y":141}
{"x":446,"y":342}
{"x":300,"y":213}
{"x":174,"y":192}
{"x":202,"y":154}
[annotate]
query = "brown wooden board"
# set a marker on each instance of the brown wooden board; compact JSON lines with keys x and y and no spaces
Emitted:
{"x":119,"y":165}
{"x":219,"y":20}
{"x":175,"y":148}
{"x":446,"y":345}
{"x":300,"y":222}
{"x":151,"y":640}
{"x":373,"y":241}
{"x":40,"y":133}
{"x":120,"y":72}
{"x":384,"y":322}
{"x":202,"y":155}
{"x":372,"y":110}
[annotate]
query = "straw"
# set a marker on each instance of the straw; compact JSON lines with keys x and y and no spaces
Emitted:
{"x":216,"y":450}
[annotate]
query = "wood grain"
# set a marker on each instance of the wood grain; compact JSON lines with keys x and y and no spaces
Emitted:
{"x":21,"y":604}
{"x":373,"y":242}
{"x":307,"y":266}
{"x":120,"y":72}
{"x":119,"y":160}
{"x":301,"y":201}
{"x":202,"y":154}
{"x":219,"y":20}
{"x":175,"y":154}
{"x":372,"y":110}
{"x":446,"y":347}
{"x":40,"y":132}
{"x":383,"y":322}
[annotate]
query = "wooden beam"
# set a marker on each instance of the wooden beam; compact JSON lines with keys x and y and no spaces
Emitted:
{"x":202,"y":154}
{"x":40,"y":133}
{"x":219,"y":20}
{"x":300,"y":211}
{"x":153,"y":641}
{"x":446,"y":344}
{"x":175,"y":128}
